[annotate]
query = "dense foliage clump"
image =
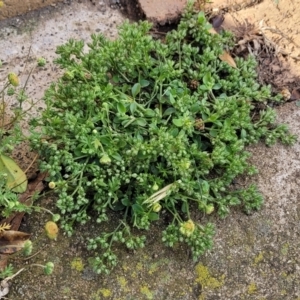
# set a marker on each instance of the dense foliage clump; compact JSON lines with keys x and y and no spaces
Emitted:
{"x":143,"y":126}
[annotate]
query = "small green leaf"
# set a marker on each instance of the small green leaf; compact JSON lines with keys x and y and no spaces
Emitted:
{"x":105,"y":140}
{"x":153,"y":216}
{"x":178,"y":122}
{"x":149,"y":113}
{"x":117,"y":206}
{"x":125,"y":202}
{"x":121,"y":108}
{"x":171,"y":98}
{"x":217,"y":86}
{"x":16,"y":178}
{"x":212,"y":118}
{"x":201,"y":17}
{"x":137,"y":208}
{"x":135,"y":89}
{"x":174,"y":132}
{"x":184,"y":207}
{"x":195,"y":108}
{"x":133,"y":107}
{"x":96,"y":143}
{"x":205,"y":187}
{"x":243,"y":133}
{"x":213,"y":132}
{"x":139,"y":137}
{"x":141,"y":122}
{"x":169,"y":111}
{"x":116,"y":79}
{"x":208,"y":80}
{"x":117,"y":156}
{"x":144,"y":83}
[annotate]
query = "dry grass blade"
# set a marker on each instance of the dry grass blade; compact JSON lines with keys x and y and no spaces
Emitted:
{"x":156,"y":197}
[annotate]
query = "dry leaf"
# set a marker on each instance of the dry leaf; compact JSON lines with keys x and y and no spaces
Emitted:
{"x":3,"y":261}
{"x":285,"y":94}
{"x":4,"y":227}
{"x":12,"y":241}
{"x":16,"y":178}
{"x":226,"y":57}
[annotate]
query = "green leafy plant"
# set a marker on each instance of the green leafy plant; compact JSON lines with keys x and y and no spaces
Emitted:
{"x":13,"y":180}
{"x":7,"y":272}
{"x":41,"y":61}
{"x":141,"y":126}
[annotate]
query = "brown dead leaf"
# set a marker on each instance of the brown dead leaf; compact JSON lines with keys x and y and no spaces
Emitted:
{"x":285,"y":94}
{"x":3,"y":261}
{"x":226,"y":57}
{"x":7,"y":244}
{"x":12,"y":241}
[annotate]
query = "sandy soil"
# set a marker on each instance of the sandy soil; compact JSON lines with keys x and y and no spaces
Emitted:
{"x":255,"y":257}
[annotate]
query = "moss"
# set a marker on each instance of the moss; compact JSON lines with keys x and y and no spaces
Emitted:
{"x":252,"y":288}
{"x":285,"y":249}
{"x":259,"y":258}
{"x":105,"y":292}
{"x":139,"y":266}
{"x":77,"y":264}
{"x":145,"y":291}
{"x":206,"y":280}
{"x":125,"y":267}
{"x":123,"y":283}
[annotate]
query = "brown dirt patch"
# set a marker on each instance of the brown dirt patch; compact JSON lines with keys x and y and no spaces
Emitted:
{"x":14,"y":8}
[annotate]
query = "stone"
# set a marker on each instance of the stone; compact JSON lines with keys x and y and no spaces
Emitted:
{"x":162,"y":12}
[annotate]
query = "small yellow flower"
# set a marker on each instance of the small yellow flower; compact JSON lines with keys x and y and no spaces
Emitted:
{"x":209,"y":209}
{"x":13,"y":79}
{"x":187,"y":228}
{"x":51,"y":230}
{"x":51,"y":185}
{"x":156,"y":207}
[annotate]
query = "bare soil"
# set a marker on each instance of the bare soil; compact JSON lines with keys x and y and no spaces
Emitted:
{"x":255,"y":256}
{"x":12,"y":8}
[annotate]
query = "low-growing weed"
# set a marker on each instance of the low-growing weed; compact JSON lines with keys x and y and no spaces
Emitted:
{"x":142,"y":126}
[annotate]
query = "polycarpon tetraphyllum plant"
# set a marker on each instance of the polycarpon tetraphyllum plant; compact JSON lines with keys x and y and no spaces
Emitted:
{"x":143,"y":126}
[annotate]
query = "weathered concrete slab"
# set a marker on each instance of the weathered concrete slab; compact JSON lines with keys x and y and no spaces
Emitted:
{"x":162,"y":12}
